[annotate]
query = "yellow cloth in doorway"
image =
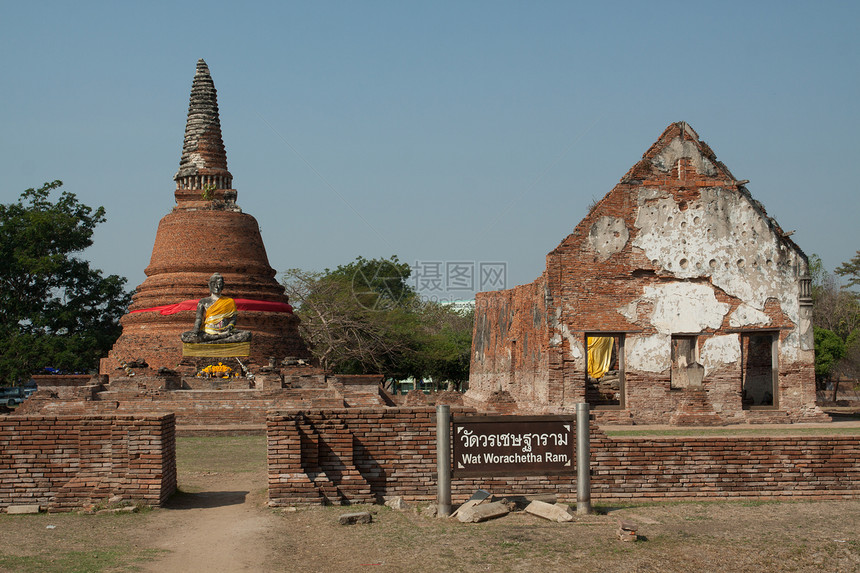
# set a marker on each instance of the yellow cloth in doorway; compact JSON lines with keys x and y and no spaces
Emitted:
{"x":599,"y":355}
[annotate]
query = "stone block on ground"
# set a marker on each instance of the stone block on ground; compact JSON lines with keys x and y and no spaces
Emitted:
{"x":566,"y":508}
{"x":353,"y":518}
{"x":396,"y":503}
{"x":22,"y":509}
{"x":466,"y":506}
{"x":627,"y":530}
{"x":482,"y":512}
{"x":520,"y":502}
{"x":550,"y":511}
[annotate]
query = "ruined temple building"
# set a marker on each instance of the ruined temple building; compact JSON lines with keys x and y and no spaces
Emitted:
{"x":677,"y":300}
{"x":206,"y":232}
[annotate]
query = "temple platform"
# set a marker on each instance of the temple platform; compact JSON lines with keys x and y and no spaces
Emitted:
{"x":209,"y":405}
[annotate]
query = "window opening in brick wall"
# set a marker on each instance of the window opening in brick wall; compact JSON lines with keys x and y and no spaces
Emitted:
{"x":604,"y":370}
{"x":686,"y":370}
{"x":760,"y":369}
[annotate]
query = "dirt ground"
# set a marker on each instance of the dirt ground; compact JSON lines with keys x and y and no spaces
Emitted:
{"x":220,"y":522}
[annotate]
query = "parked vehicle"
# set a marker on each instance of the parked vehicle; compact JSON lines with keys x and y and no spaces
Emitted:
{"x":14,"y":395}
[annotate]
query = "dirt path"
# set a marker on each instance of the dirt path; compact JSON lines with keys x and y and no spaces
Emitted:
{"x":223,"y":526}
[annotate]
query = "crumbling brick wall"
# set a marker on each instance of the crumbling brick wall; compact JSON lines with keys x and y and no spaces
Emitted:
{"x":678,"y":248}
{"x":358,"y":455}
{"x":65,"y":462}
{"x":510,"y":344}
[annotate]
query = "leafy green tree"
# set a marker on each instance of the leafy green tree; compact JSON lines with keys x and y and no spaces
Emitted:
{"x":364,"y":317}
{"x":834,"y":308}
{"x":54,"y":309}
{"x":444,"y":344}
{"x":377,"y":283}
{"x":850,"y":269}
{"x":829,"y":350}
{"x":354,"y":317}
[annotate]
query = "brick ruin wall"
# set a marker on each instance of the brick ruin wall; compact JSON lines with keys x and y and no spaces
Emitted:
{"x":510,"y":348}
{"x":63,"y":463}
{"x":678,"y":247}
{"x":335,"y":456}
{"x":206,"y":402}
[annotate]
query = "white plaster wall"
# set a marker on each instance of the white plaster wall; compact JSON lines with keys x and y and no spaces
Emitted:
{"x":680,"y":307}
{"x":723,"y":237}
{"x":648,"y":353}
{"x":562,"y":332}
{"x":720,"y":350}
{"x":678,"y":148}
{"x":607,"y":236}
{"x":746,"y":315}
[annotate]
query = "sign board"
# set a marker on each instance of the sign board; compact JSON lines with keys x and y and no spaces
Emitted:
{"x":513,"y":445}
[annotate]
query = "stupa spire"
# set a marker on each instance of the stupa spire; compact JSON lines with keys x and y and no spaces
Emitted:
{"x":204,"y":161}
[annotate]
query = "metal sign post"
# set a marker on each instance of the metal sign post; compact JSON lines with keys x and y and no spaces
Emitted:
{"x":443,"y":459}
{"x":583,"y":459}
{"x":490,"y":446}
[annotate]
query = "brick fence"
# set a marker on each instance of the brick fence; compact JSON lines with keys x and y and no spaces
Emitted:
{"x":823,"y":467}
{"x":66,"y":462}
{"x":365,"y":455}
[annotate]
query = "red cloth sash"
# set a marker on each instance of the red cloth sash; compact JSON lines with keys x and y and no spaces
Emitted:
{"x":241,"y":304}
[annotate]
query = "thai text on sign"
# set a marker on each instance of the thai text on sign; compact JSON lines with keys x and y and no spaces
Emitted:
{"x":513,"y":445}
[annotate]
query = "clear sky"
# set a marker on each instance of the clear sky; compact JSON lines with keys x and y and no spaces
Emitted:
{"x":443,"y":132}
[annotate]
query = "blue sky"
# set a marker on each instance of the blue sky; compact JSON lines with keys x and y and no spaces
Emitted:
{"x":443,"y":132}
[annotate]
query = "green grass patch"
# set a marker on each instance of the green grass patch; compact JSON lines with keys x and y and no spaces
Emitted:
{"x":699,"y":432}
{"x":221,"y":454}
{"x":93,"y":561}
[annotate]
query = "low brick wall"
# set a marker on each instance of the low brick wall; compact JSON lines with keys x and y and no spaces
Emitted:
{"x":365,"y":455}
{"x":824,"y":467}
{"x":65,"y":462}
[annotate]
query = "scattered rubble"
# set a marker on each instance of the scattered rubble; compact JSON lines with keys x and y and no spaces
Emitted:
{"x":483,"y":512}
{"x":429,"y":511}
{"x":627,"y":530}
{"x":353,"y":518}
{"x":554,"y":512}
{"x":396,"y":503}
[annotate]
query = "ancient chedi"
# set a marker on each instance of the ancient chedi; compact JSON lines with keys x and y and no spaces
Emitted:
{"x":205,"y":233}
{"x":676,"y":300}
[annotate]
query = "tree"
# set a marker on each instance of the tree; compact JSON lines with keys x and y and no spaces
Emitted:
{"x":850,"y":269}
{"x":444,"y":344}
{"x":364,"y":317}
{"x":54,"y":309}
{"x":834,"y":308}
{"x":829,"y":350}
{"x":344,"y":331}
{"x":836,"y":318}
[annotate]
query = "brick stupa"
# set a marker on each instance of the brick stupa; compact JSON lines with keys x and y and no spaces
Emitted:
{"x":205,"y":233}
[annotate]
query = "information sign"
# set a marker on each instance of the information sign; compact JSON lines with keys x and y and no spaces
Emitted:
{"x":513,"y":445}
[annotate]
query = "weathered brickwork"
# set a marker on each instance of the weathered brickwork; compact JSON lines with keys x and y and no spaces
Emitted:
{"x":209,"y":402}
{"x":359,"y":455}
{"x":726,"y":467}
{"x":677,"y":255}
{"x":66,"y":462}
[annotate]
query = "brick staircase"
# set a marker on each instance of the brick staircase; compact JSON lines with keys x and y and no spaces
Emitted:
{"x":329,"y":443}
{"x":696,"y":410}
